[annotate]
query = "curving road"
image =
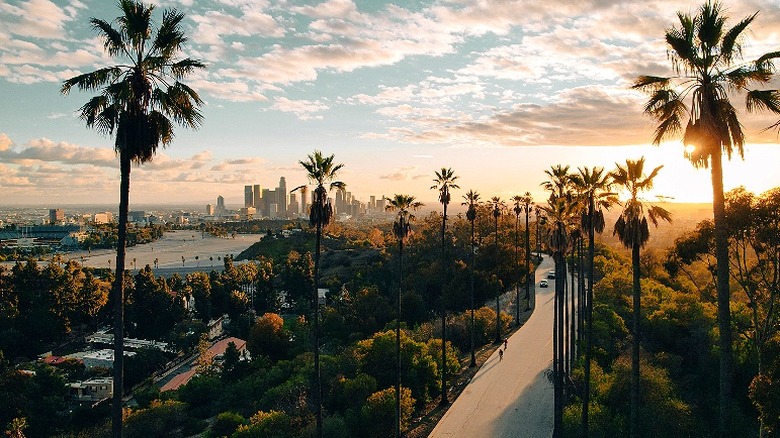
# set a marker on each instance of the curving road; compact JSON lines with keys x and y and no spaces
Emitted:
{"x":511,"y":397}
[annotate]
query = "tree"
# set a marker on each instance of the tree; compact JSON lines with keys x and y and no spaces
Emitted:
{"x":444,"y":183}
{"x":402,"y":228}
{"x":472,"y":200}
{"x":140,"y":98}
{"x":633,"y":232}
{"x":320,"y":170}
{"x":498,"y":208}
{"x":594,"y":184}
{"x":707,"y":60}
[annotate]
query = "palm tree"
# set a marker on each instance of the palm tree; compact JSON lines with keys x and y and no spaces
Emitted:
{"x":518,"y":209}
{"x":498,"y":207}
{"x":633,"y":231}
{"x":528,"y":201}
{"x":594,"y":184}
{"x":137,"y":99}
{"x":320,"y":170}
{"x":707,"y":62}
{"x":472,"y":200}
{"x":559,"y":212}
{"x":444,"y":183}
{"x":402,"y":228}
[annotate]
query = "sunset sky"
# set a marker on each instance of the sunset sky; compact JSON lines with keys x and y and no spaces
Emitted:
{"x":498,"y":90}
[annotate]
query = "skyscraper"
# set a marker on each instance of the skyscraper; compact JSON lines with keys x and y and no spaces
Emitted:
{"x":220,"y":205}
{"x":249,"y":200}
{"x":258,"y":196}
{"x":281,"y":197}
{"x":292,"y":207}
{"x":210,"y":209}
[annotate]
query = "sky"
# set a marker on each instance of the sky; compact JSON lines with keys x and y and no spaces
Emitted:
{"x":497,"y":90}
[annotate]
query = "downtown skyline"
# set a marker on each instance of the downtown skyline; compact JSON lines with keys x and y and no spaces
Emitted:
{"x":498,"y":91}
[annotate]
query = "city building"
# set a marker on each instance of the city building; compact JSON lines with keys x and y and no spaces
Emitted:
{"x":247,"y":213}
{"x":292,"y":209}
{"x":257,"y":194}
{"x":136,"y":216}
{"x":56,"y":215}
{"x":102,"y":358}
{"x":220,"y":205}
{"x":210,"y":210}
{"x":105,"y":217}
{"x":281,"y":197}
{"x":249,"y":200}
{"x":92,"y":390}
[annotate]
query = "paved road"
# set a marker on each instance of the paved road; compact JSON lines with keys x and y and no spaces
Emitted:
{"x":511,"y":397}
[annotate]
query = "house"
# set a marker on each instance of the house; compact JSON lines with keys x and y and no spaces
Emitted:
{"x":217,"y":351}
{"x":92,"y":390}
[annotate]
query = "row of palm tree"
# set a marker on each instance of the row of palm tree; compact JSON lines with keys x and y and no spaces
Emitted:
{"x":576,"y":205}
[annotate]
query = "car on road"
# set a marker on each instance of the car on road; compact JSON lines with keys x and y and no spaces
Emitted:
{"x":543,"y":283}
{"x":550,"y":274}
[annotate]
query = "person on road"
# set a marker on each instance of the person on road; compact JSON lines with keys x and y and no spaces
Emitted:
{"x":506,"y":343}
{"x":500,"y":355}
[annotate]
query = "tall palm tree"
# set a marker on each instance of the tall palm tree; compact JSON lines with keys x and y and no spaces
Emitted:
{"x":633,"y":231}
{"x":517,"y":210}
{"x":139,"y":99}
{"x":594,"y":184}
{"x":320,"y":170}
{"x":498,"y":208}
{"x":402,"y":228}
{"x":472,"y":200}
{"x":444,"y":183}
{"x":708,"y":68}
{"x":528,"y":201}
{"x":560,"y":214}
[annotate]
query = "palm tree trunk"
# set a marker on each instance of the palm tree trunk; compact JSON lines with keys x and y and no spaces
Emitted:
{"x":498,"y":293}
{"x":398,"y":339}
{"x":317,"y":374}
{"x":635,"y":341}
{"x":444,"y":400}
{"x":119,"y":297}
{"x":722,"y":284}
{"x":558,"y":346}
{"x":529,"y":278}
{"x":589,"y":322}
{"x":517,"y":262}
{"x":565,"y":310}
{"x":574,"y":319}
{"x":473,"y":355}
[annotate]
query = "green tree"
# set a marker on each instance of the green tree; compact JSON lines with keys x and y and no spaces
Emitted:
{"x":268,"y":337}
{"x":320,"y":170}
{"x":140,"y":98}
{"x":402,"y":228}
{"x":707,"y":60}
{"x":444,"y":183}
{"x":633,"y":231}
{"x":497,"y":207}
{"x":377,"y":412}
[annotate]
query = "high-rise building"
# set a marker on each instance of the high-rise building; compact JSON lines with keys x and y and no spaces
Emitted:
{"x":340,"y":203}
{"x":248,"y":196}
{"x":281,"y":197}
{"x":220,"y":205}
{"x":268,"y":198}
{"x":292,"y":208}
{"x":210,"y":209}
{"x":56,"y":215}
{"x":258,"y":196}
{"x":372,"y":203}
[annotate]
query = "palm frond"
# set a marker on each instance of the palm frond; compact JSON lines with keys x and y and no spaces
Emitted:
{"x":91,"y":81}
{"x":169,"y":37}
{"x":113,"y":42}
{"x":730,"y":46}
{"x":757,"y":100}
{"x":185,"y":67}
{"x":651,"y":82}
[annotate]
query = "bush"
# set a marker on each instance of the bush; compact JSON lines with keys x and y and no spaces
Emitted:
{"x":226,"y":423}
{"x":379,"y":412}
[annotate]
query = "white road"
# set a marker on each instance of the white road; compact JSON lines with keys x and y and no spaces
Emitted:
{"x":511,"y":397}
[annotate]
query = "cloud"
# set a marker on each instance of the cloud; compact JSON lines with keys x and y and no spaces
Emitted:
{"x":37,"y":19}
{"x":404,"y":174}
{"x":304,"y":109}
{"x":47,"y":151}
{"x":5,"y":142}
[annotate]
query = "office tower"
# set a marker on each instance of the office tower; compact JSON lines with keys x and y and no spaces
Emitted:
{"x":281,"y":197}
{"x":220,"y":205}
{"x":372,"y":203}
{"x":56,"y":215}
{"x":258,"y":196}
{"x":292,"y":208}
{"x":268,"y":198}
{"x":340,"y":201}
{"x":248,"y":196}
{"x":348,"y":198}
{"x":210,"y":209}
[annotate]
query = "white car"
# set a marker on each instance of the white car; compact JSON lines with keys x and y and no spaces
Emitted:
{"x":543,"y":283}
{"x":550,"y":274}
